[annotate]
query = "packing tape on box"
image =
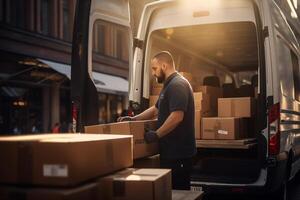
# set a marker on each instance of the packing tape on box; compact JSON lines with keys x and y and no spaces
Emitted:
{"x":25,"y":162}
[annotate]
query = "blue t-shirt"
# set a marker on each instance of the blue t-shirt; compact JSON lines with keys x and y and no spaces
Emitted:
{"x":177,"y":95}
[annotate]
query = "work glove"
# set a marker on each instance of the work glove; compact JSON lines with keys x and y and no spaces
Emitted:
{"x":151,"y":136}
{"x":125,"y":118}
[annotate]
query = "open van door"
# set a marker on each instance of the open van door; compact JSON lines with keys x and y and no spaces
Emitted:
{"x":136,"y":87}
{"x":83,"y":91}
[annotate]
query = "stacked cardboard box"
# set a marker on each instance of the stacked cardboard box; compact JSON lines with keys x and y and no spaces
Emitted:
{"x":62,"y":160}
{"x":136,"y":184}
{"x":213,"y":92}
{"x":136,"y":128}
{"x":234,"y":115}
{"x":128,"y":184}
{"x":89,"y":191}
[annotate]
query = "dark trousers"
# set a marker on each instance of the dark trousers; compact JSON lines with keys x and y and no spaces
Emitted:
{"x":181,"y":172}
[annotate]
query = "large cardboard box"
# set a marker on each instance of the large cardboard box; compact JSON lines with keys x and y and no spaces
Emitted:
{"x":89,"y":191}
{"x":137,"y":129}
{"x":202,"y":102}
{"x":229,"y":128}
{"x":236,"y":107}
{"x":63,"y":160}
{"x":137,"y":184}
{"x":213,"y":92}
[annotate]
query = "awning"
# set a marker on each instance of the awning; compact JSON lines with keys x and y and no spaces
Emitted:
{"x":103,"y":82}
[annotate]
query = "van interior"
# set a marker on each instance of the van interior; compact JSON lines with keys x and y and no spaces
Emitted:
{"x":222,"y":55}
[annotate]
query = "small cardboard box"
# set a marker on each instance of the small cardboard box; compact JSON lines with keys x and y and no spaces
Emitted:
{"x":137,"y":184}
{"x":213,"y":92}
{"x":236,"y":107}
{"x":202,"y":102}
{"x":89,"y":191}
{"x":64,"y":160}
{"x":198,"y":117}
{"x":137,"y":129}
{"x":229,"y":128}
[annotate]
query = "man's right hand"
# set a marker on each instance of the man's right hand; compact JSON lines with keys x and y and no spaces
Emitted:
{"x":125,"y":118}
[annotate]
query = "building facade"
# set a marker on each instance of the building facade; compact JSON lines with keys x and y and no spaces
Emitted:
{"x":35,"y":59}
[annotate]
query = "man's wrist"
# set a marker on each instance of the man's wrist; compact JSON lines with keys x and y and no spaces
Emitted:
{"x":158,"y":133}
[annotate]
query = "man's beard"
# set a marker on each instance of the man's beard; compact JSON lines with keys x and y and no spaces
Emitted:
{"x":161,"y":78}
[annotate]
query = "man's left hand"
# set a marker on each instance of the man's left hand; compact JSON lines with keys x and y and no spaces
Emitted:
{"x":151,"y":137}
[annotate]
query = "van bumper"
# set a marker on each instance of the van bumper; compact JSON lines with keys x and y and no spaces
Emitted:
{"x":275,"y":174}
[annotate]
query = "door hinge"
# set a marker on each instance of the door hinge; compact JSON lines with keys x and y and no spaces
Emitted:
{"x":265,"y":32}
{"x":138,"y":43}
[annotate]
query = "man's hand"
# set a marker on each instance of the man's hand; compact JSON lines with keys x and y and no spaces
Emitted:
{"x":151,"y":137}
{"x":125,"y":118}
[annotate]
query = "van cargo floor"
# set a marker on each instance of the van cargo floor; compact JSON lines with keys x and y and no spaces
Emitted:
{"x":227,"y":144}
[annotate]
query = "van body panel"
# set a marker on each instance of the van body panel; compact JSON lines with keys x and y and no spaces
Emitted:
{"x":266,"y":172}
{"x":112,"y":11}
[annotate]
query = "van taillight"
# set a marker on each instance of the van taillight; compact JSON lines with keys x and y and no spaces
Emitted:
{"x":274,"y":128}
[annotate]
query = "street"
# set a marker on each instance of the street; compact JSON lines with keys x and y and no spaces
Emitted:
{"x":294,"y":191}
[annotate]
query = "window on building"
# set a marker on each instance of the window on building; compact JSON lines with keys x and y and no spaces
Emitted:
{"x":296,"y":75}
{"x":111,"y":40}
{"x":66,"y":21}
{"x":45,"y":16}
{"x":100,"y":38}
{"x":122,"y":46}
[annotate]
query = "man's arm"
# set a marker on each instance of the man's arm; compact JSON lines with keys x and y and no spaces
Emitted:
{"x":150,"y":113}
{"x":171,"y":123}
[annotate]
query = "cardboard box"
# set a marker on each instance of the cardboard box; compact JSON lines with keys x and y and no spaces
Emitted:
{"x":89,"y":191}
{"x":187,"y":76}
{"x":63,"y":160}
{"x":137,"y":129}
{"x":149,"y":162}
{"x":213,"y":92}
{"x":236,"y":107}
{"x":202,"y":102}
{"x":198,"y":117}
{"x":137,"y":184}
{"x":229,"y":128}
{"x":152,"y":100}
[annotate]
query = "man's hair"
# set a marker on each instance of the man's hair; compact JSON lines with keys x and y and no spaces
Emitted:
{"x":166,"y":57}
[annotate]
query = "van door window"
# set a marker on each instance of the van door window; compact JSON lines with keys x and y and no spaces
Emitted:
{"x":288,"y":68}
{"x":296,"y":75}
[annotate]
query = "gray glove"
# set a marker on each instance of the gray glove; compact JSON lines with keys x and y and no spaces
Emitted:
{"x":151,"y":137}
{"x":125,"y":118}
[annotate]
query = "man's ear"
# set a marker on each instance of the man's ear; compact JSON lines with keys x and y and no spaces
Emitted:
{"x":164,"y":66}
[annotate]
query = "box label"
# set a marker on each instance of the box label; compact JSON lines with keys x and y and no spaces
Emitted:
{"x":222,"y":132}
{"x":55,"y":170}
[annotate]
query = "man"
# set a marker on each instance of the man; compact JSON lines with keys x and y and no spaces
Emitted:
{"x":175,"y":110}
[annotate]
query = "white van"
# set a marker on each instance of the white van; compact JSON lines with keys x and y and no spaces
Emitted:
{"x":242,"y":44}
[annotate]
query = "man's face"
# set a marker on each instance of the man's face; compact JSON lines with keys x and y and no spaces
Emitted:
{"x":157,"y":71}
